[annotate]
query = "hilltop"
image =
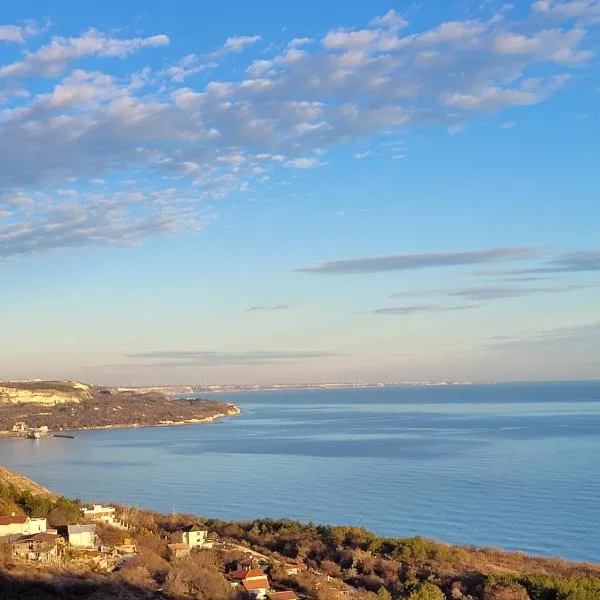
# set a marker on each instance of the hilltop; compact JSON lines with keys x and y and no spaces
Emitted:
{"x":73,"y":405}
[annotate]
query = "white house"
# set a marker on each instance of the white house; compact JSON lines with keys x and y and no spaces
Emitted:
{"x":21,"y":525}
{"x":257,"y":587}
{"x":254,"y":581}
{"x":82,"y":536}
{"x":33,"y":526}
{"x":194,"y":536}
{"x":102,"y":514}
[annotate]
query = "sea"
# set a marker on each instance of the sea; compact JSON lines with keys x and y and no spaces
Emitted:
{"x":511,"y":465}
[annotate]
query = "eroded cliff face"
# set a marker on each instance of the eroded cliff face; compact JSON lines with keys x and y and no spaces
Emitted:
{"x":44,"y":392}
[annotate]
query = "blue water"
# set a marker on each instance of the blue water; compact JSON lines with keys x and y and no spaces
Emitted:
{"x":515,"y":466}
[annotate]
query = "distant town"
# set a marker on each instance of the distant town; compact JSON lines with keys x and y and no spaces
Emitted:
{"x":230,"y":388}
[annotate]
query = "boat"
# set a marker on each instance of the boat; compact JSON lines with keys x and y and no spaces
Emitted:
{"x":34,"y":435}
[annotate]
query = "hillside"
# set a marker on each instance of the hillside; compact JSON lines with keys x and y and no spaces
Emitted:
{"x":70,"y":405}
{"x":21,"y":483}
{"x":330,"y":563}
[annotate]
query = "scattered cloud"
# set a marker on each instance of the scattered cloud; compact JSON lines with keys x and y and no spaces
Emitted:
{"x":346,"y":87}
{"x":268,"y":307}
{"x":97,"y":219}
{"x":402,"y":262}
{"x":304,"y":163}
{"x":50,"y":60}
{"x":362,"y":155}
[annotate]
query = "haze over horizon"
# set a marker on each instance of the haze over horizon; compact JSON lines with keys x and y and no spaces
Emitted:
{"x":268,"y":192}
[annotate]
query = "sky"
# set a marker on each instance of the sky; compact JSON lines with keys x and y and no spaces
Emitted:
{"x":262,"y":192}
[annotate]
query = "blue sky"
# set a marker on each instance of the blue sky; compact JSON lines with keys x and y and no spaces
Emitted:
{"x":254,"y":192}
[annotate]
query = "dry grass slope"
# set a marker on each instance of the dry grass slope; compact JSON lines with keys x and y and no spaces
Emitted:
{"x":22,"y":483}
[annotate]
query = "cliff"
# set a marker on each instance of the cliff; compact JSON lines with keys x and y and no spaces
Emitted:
{"x":44,"y":392}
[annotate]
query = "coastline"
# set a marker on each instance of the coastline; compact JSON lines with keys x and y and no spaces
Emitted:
{"x":233,"y":411}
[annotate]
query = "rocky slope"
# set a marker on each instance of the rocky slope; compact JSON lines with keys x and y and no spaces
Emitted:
{"x":44,"y":392}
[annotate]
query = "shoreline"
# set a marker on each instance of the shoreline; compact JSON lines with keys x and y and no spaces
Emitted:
{"x":232,"y":412}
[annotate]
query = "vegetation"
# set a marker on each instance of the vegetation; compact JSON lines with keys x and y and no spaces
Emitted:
{"x":335,"y":562}
{"x":108,"y":408}
{"x":58,"y":511}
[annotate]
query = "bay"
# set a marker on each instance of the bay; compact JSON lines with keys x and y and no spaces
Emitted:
{"x":514,"y":466}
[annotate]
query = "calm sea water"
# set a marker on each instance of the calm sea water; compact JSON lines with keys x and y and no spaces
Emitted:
{"x":511,"y":465}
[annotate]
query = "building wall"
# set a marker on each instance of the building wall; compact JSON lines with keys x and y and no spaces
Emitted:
{"x":41,"y":552}
{"x":194,"y":538}
{"x":34,"y":526}
{"x":11,"y":529}
{"x":84,"y":539}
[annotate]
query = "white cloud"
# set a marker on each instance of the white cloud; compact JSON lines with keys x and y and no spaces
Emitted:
{"x":583,"y":10}
{"x":52,"y":59}
{"x":187,"y":66}
{"x":18,"y":34}
{"x":303,"y":163}
{"x":550,"y":45}
{"x":391,"y":19}
{"x":237,"y":44}
{"x":301,"y":41}
{"x":362,"y":155}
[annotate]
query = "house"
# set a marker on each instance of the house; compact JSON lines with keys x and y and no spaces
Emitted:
{"x":250,"y":561}
{"x":257,"y":587}
{"x":249,"y":574}
{"x":103,"y":514}
{"x":82,"y":536}
{"x":20,"y":427}
{"x":40,"y":547}
{"x":12,"y":525}
{"x":254,"y":581}
{"x":178,"y":550}
{"x":194,"y":536}
{"x":34,"y":526}
{"x":21,"y":525}
{"x":285,"y":595}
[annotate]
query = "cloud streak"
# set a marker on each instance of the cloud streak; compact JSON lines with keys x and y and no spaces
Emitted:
{"x":575,"y":262}
{"x":198,"y":358}
{"x":404,"y":262}
{"x":268,"y":308}
{"x":417,"y":309}
{"x":586,"y":335}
